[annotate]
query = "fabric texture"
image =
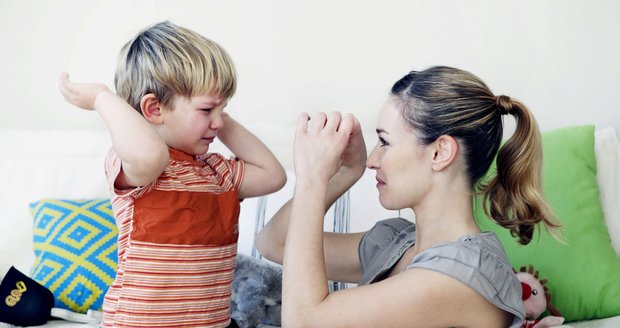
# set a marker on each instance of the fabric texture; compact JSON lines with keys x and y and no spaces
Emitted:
{"x":477,"y":261}
{"x":75,"y":249}
{"x":257,"y":293}
{"x":570,"y":186}
{"x":607,"y":150}
{"x":177,"y":244}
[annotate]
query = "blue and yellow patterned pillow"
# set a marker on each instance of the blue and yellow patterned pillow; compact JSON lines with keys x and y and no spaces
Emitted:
{"x":76,"y":252}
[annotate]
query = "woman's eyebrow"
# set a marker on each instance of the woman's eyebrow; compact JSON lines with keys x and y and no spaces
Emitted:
{"x":379,"y":131}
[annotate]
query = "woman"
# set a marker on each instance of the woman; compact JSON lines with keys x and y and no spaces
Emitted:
{"x":438,"y":133}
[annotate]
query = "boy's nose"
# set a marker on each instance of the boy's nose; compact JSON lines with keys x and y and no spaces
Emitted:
{"x":217,"y":122}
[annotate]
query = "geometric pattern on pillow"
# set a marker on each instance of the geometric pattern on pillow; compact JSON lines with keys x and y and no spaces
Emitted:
{"x":75,"y":244}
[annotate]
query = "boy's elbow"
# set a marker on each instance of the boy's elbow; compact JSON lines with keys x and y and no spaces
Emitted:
{"x":280,"y":179}
{"x":275,"y":180}
{"x":142,"y":169}
{"x":157,"y":159}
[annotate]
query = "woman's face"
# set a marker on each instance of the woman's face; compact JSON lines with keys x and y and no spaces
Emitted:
{"x":402,"y":164}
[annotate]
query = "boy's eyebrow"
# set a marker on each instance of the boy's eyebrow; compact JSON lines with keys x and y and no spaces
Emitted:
{"x":212,"y":103}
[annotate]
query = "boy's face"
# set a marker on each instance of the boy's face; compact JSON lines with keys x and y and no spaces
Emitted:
{"x":191,"y":124}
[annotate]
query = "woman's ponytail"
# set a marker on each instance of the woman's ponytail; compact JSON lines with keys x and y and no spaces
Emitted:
{"x":515,"y":195}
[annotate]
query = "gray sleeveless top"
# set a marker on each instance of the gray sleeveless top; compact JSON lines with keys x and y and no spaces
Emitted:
{"x":478,"y":261}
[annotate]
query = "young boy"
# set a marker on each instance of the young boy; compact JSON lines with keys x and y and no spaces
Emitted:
{"x":176,"y":205}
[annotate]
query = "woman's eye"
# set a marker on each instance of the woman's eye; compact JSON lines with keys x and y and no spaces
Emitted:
{"x":382,"y":142}
{"x":206,"y":110}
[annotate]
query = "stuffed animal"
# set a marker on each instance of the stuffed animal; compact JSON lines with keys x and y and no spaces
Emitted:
{"x":257,"y":292}
{"x":536,"y":300}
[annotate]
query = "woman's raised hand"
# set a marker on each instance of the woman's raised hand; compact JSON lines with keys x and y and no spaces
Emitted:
{"x":354,"y":155}
{"x":82,"y":95}
{"x":321,"y":142}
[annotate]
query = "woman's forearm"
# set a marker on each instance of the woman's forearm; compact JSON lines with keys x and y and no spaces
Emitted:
{"x":304,"y":270}
{"x":271,"y":240}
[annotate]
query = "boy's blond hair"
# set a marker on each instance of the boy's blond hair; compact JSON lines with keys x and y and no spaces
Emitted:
{"x":169,"y":60}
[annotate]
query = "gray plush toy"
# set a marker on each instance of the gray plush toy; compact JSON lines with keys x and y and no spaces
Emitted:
{"x":257,"y":292}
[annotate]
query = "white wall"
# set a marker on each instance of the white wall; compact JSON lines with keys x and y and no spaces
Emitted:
{"x":560,"y":57}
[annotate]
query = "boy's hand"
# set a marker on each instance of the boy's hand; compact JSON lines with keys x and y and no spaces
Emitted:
{"x":82,"y":95}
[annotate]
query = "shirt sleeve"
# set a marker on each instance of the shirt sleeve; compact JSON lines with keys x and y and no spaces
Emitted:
{"x":113,"y":167}
{"x":237,"y":170}
{"x":378,"y":237}
{"x":478,"y":267}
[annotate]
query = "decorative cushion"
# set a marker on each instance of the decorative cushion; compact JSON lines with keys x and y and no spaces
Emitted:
{"x":75,"y":249}
{"x":607,"y":149}
{"x":584,"y":272}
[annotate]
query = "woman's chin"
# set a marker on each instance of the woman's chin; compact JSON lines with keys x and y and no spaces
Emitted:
{"x":386,"y":204}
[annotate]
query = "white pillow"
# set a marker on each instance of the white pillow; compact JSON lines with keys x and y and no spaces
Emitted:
{"x":607,"y":150}
{"x":40,"y":164}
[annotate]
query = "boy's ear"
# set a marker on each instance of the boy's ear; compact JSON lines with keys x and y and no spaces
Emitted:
{"x":445,"y":151}
{"x":151,"y":108}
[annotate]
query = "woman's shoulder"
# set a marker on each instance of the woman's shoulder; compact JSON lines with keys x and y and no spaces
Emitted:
{"x":384,"y":232}
{"x":480,"y":262}
{"x":396,"y":225}
{"x":381,"y":243}
{"x":481,"y":253}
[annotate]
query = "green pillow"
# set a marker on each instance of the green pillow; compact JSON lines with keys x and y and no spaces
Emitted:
{"x":584,"y":273}
{"x":75,"y":249}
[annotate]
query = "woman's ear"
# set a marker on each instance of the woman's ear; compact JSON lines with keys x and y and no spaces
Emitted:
{"x":151,"y":108}
{"x":446,"y":148}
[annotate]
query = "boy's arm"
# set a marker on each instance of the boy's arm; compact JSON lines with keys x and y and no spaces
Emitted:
{"x":263,"y":172}
{"x":143,"y":152}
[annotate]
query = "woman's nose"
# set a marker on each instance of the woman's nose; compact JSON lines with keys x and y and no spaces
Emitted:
{"x":372,"y":160}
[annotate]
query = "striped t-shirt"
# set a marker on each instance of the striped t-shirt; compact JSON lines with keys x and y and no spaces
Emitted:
{"x":177,"y":244}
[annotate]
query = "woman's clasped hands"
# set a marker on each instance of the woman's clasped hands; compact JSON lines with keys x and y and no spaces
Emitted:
{"x":328,"y":144}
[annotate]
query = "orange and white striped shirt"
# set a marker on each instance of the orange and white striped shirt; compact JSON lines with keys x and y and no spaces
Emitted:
{"x":177,"y":244}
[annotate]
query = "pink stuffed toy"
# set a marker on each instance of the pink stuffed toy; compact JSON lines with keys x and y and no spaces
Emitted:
{"x":536,"y":300}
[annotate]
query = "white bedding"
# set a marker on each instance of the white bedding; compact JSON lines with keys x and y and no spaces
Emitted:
{"x":613,"y":322}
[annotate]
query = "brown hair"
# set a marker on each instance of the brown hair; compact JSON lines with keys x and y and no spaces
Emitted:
{"x":448,"y":101}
